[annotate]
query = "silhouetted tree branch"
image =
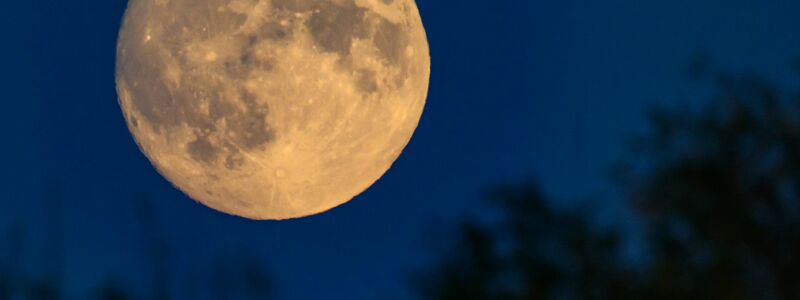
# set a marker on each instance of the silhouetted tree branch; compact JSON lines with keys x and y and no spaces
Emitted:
{"x":718,"y":193}
{"x":156,"y":247}
{"x":230,"y":277}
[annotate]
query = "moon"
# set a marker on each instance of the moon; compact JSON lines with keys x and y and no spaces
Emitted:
{"x":272,"y":109}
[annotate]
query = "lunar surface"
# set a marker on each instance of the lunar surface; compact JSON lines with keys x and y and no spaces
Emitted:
{"x":272,"y":109}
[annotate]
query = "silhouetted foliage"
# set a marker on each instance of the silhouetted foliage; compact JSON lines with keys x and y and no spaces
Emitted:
{"x":239,"y":279}
{"x":156,"y":247}
{"x":535,"y":252}
{"x":112,"y":292}
{"x":230,"y":277}
{"x":722,"y":200}
{"x":716,"y":192}
{"x":15,"y":283}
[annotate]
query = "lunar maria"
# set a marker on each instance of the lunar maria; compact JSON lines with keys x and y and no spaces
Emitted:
{"x":272,"y":109}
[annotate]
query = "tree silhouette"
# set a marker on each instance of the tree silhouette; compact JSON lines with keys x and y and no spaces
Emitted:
{"x":15,"y":283}
{"x":111,"y":291}
{"x":722,"y":202}
{"x":535,"y":252}
{"x":717,"y":192}
{"x":240,"y":278}
{"x":231,"y":276}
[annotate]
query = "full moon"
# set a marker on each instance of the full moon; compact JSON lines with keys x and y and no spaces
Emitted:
{"x":272,"y":109}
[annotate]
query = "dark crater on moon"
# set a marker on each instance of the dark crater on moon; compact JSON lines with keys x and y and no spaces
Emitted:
{"x":167,"y":108}
{"x":366,"y":81}
{"x":391,"y":40}
{"x":334,"y":26}
{"x":244,"y":130}
{"x":202,"y":150}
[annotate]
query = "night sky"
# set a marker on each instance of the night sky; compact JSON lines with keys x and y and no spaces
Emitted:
{"x":520,"y":90}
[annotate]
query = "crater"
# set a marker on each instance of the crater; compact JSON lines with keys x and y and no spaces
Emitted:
{"x":202,"y":150}
{"x":391,"y":40}
{"x":334,"y":26}
{"x":245,"y":130}
{"x":187,"y":104}
{"x":240,"y":67}
{"x":150,"y":95}
{"x":274,"y":31}
{"x":295,"y":5}
{"x":134,"y":121}
{"x":221,"y":109}
{"x":234,"y":160}
{"x":202,"y":106}
{"x":367,"y":81}
{"x":248,"y":128}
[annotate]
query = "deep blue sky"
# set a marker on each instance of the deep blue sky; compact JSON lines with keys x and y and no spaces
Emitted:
{"x":548,"y":90}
